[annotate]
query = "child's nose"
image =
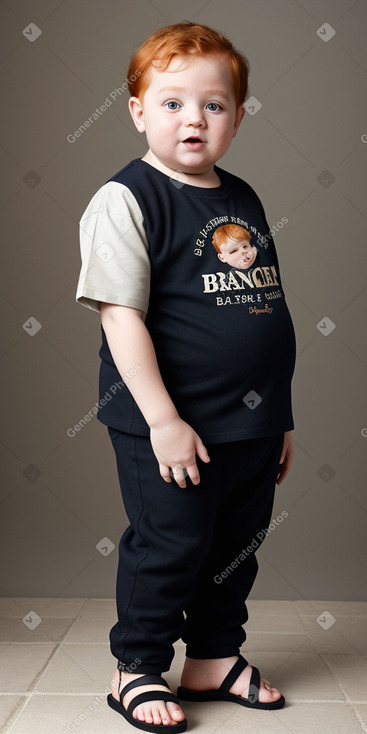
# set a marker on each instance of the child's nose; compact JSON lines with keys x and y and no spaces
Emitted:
{"x":194,"y":117}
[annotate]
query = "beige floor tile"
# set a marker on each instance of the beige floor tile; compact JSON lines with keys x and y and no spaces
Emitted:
{"x":300,"y":677}
{"x":354,"y":630}
{"x":78,"y":669}
{"x":46,"y":607}
{"x":351,"y":672}
{"x":20,"y":665}
{"x":319,"y":718}
{"x":360,"y":711}
{"x":99,"y":608}
{"x":89,"y":628}
{"x":94,"y":622}
{"x":274,"y":623}
{"x":273,"y":608}
{"x":277,"y":643}
{"x":344,"y":637}
{"x":48,"y":630}
{"x":347,"y":608}
{"x":221,"y":717}
{"x":7,"y":705}
{"x":62,"y":714}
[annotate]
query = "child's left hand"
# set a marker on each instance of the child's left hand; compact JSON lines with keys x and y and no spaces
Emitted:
{"x":286,"y":458}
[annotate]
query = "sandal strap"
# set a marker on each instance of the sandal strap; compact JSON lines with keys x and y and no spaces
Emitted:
{"x":254,"y":687}
{"x":145,"y":680}
{"x":233,"y":674}
{"x":150,"y":696}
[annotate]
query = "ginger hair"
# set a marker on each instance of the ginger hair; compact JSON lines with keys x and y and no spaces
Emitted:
{"x":183,"y":39}
{"x":232,"y":231}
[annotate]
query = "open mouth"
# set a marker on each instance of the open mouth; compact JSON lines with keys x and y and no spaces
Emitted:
{"x":193,"y":143}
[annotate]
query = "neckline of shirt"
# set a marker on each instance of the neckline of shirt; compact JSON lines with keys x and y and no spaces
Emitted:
{"x":203,"y":191}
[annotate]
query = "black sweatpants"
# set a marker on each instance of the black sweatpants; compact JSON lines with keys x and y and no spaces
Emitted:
{"x":176,"y":554}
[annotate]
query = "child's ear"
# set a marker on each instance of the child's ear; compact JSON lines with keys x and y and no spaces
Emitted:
{"x":239,"y":117}
{"x":221,"y":258}
{"x":136,"y":112}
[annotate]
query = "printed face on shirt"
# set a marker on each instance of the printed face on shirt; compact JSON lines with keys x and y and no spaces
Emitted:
{"x":237,"y":254}
{"x":189,"y":113}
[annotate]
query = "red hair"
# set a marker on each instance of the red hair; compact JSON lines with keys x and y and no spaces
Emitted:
{"x":182,"y":39}
{"x":233,"y":231}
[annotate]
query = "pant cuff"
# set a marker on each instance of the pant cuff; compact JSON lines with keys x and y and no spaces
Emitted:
{"x":141,"y":668}
{"x":202,"y":653}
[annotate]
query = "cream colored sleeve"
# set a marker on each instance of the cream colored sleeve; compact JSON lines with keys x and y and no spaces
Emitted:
{"x":114,"y":251}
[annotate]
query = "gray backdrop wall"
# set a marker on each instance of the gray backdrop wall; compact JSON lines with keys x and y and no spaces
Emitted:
{"x":303,"y":147}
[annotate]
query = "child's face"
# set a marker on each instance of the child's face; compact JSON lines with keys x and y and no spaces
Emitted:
{"x":237,"y":254}
{"x":189,"y":115}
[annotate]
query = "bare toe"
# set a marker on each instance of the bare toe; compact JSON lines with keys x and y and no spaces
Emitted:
{"x":175,"y":711}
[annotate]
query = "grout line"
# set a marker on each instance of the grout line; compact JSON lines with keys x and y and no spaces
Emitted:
{"x":14,"y":716}
{"x":334,"y":677}
{"x":56,"y":642}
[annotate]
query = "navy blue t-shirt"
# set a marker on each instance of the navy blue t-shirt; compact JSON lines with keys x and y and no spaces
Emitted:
{"x":222,"y":333}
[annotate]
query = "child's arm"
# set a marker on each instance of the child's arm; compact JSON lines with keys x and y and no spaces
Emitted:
{"x":174,"y":442}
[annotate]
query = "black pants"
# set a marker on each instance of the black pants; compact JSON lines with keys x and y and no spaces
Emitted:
{"x":189,"y":550}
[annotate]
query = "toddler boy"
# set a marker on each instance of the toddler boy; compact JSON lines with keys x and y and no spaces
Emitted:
{"x":208,"y":399}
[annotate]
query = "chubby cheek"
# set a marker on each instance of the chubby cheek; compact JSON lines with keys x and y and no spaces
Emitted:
{"x":156,"y":127}
{"x":224,"y":132}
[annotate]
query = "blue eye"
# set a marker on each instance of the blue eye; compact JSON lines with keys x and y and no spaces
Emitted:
{"x":172,"y":105}
{"x":213,"y":107}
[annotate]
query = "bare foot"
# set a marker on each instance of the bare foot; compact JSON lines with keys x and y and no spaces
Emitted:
{"x":152,"y":712}
{"x":203,"y":675}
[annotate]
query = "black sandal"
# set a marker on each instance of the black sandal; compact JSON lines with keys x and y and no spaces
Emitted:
{"x":145,"y":680}
{"x":222,"y":693}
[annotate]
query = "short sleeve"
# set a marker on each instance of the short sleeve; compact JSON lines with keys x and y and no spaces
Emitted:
{"x":114,"y":251}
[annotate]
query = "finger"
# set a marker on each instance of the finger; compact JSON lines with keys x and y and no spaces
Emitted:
{"x":201,"y":450}
{"x":284,"y":449}
{"x":284,"y":470}
{"x":164,"y":472}
{"x":193,"y":473}
{"x":178,"y":474}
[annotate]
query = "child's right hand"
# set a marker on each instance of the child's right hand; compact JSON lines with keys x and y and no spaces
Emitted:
{"x":175,"y":445}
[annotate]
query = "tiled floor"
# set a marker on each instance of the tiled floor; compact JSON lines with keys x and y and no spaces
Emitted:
{"x":55,"y":672}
